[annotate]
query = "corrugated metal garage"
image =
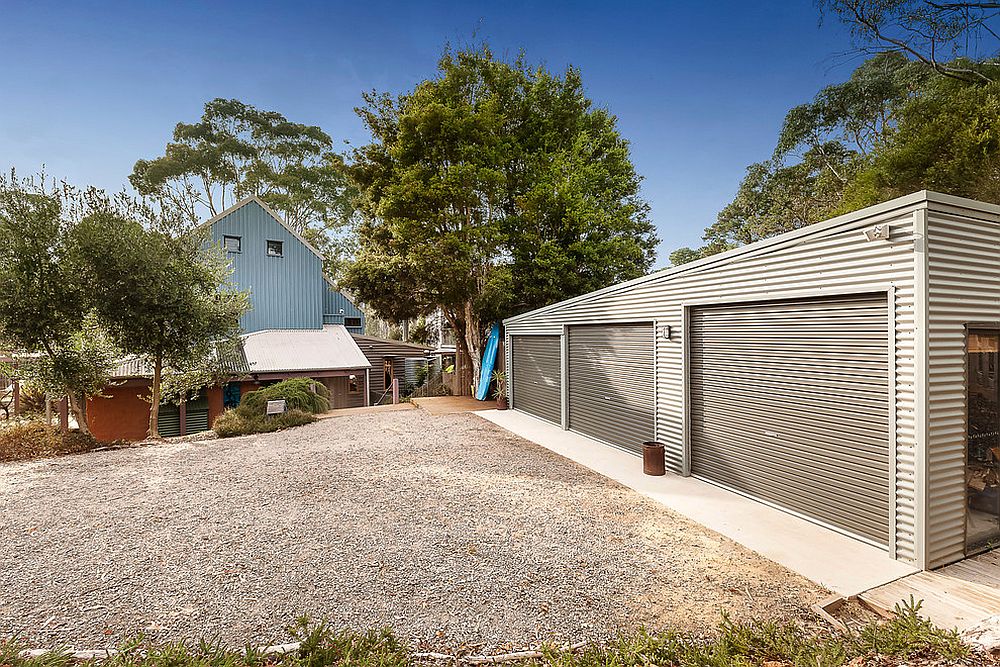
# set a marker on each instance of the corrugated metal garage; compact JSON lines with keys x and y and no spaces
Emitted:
{"x":892,"y":444}
{"x":610,"y":395}
{"x":537,"y":386}
{"x":790,"y":404}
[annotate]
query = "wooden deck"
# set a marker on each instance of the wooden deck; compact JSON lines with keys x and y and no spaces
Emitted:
{"x":959,"y":596}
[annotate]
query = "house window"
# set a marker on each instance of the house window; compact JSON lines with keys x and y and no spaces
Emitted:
{"x":275,"y":249}
{"x":232,"y":243}
{"x":352,"y":321}
{"x":353,"y":385}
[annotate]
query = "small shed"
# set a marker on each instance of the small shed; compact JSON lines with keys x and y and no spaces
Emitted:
{"x":845,"y":372}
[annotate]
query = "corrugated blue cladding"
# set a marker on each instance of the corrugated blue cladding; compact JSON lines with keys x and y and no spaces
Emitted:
{"x":286,"y":292}
{"x":336,"y":307}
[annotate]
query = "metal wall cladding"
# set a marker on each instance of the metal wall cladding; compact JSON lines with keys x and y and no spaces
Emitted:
{"x":611,"y":383}
{"x":196,"y":421}
{"x":789,"y":403}
{"x":285,"y":292}
{"x":963,"y":275}
{"x":536,"y":385}
{"x":829,"y":258}
{"x":337,"y":307}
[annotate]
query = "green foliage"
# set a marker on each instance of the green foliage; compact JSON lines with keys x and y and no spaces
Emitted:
{"x":493,"y":188}
{"x":34,"y":439}
{"x":298,"y":393}
{"x":45,"y":304}
{"x":893,"y":128}
{"x":499,"y":384}
{"x":906,"y":638}
{"x":236,"y":422}
{"x":160,"y":291}
{"x":237,"y":150}
{"x":930,"y":33}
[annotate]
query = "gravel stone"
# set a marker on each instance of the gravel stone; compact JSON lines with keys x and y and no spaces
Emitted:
{"x":454,"y":532}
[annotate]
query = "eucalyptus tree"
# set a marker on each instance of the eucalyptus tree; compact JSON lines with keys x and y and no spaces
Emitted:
{"x":236,"y":150}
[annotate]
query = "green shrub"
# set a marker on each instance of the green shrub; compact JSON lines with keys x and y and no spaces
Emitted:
{"x":232,"y":423}
{"x":33,"y":439}
{"x":298,"y":393}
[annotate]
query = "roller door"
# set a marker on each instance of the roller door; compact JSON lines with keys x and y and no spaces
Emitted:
{"x":536,"y":386}
{"x":789,"y":403}
{"x":611,"y":384}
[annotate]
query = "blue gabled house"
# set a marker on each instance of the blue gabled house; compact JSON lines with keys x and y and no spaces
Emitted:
{"x":298,"y":325}
{"x":282,"y":272}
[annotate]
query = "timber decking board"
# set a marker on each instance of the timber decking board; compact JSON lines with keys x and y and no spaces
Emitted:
{"x":956,"y":596}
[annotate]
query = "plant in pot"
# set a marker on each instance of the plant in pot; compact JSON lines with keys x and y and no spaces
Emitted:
{"x":500,"y":390}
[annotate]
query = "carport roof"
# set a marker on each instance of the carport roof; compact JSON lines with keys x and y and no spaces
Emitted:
{"x":294,"y":350}
{"x":276,"y":351}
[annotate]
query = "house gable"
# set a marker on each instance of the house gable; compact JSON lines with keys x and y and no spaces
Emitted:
{"x":286,"y":285}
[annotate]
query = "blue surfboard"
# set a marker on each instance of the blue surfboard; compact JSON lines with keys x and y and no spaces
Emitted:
{"x":489,"y":361}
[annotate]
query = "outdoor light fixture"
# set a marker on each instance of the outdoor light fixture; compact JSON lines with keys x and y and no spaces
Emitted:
{"x":877,"y":233}
{"x":665,"y":331}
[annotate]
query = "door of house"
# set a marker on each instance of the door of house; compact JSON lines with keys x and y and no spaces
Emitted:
{"x":387,"y":373}
{"x":982,"y":449}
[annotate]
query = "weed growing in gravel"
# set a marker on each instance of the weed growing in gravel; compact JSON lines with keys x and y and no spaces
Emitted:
{"x":907,"y":637}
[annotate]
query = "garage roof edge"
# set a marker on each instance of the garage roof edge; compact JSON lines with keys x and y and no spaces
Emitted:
{"x":911,"y":200}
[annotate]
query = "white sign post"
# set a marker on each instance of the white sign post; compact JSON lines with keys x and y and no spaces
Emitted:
{"x":275,"y":407}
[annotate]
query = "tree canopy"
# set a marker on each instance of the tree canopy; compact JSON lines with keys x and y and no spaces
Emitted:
{"x":44,"y":306}
{"x":236,"y":151}
{"x":163,"y":294}
{"x":493,"y":188}
{"x":897,"y":125}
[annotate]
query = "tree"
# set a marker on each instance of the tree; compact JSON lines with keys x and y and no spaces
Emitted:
{"x":957,"y":40}
{"x":162,"y":294}
{"x":947,"y":139}
{"x":821,"y":148}
{"x":491,"y":189}
{"x":44,"y":304}
{"x":237,"y":150}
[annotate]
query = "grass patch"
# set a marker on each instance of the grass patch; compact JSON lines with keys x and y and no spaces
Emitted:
{"x":907,"y":639}
{"x":25,"y":440}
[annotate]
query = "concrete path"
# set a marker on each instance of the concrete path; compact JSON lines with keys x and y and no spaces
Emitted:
{"x":839,"y":563}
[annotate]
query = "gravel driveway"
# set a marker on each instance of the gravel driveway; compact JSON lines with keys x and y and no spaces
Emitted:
{"x":447,"y":528}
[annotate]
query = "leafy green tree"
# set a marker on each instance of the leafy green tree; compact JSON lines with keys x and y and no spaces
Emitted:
{"x":44,"y":303}
{"x":237,"y":150}
{"x":947,"y":139}
{"x":957,"y":40}
{"x":822,"y":148}
{"x":490,"y":189}
{"x":163,"y":295}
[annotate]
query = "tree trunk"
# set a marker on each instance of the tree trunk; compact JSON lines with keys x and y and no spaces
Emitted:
{"x":154,"y":405}
{"x":79,"y":409}
{"x":473,"y":342}
{"x":406,"y":331}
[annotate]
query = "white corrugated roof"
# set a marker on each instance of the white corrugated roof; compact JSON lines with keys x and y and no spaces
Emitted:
{"x":277,"y":350}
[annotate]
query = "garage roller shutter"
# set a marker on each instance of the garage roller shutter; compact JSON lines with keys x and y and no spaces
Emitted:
{"x":611,"y":384}
{"x":790,"y":404}
{"x":537,"y":369}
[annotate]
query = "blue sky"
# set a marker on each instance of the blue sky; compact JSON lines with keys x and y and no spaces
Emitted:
{"x":700,"y":89}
